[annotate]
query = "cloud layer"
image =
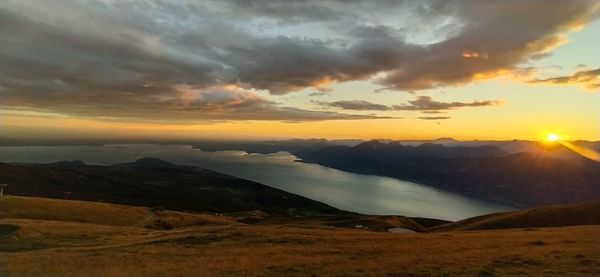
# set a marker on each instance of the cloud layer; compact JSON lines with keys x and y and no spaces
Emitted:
{"x":137,"y":59}
{"x":424,"y":104}
{"x":433,"y":117}
{"x":355,"y":105}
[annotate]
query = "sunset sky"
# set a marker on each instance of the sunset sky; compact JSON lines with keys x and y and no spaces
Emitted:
{"x":286,"y":69}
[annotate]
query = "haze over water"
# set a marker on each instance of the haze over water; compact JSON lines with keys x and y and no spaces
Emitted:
{"x":348,"y":191}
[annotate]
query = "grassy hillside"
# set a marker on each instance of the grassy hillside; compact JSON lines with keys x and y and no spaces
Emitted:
{"x":55,"y":248}
{"x":379,"y":223}
{"x":122,"y":215}
{"x":46,"y":237}
{"x":548,"y":216}
{"x":101,"y":213}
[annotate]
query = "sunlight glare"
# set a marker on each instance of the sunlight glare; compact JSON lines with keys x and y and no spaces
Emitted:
{"x":553,"y":137}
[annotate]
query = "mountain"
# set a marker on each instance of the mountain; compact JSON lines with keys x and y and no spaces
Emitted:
{"x":152,"y":182}
{"x":524,"y":179}
{"x":395,"y":150}
{"x":303,"y":146}
{"x":267,"y":147}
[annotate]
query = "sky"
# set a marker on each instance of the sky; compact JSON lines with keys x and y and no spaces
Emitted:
{"x":299,"y":69}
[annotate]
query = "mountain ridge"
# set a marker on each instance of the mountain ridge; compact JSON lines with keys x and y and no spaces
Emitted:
{"x":154,"y":182}
{"x":523,"y":179}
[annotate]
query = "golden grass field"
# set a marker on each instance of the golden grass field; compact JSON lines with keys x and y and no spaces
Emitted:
{"x":70,"y":243}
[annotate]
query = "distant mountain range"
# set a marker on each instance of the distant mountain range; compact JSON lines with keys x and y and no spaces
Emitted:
{"x":303,"y":145}
{"x":518,"y":173}
{"x":154,"y":183}
{"x":515,"y":172}
{"x":522,"y":179}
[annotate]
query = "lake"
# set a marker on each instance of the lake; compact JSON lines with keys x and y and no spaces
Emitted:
{"x":348,"y":191}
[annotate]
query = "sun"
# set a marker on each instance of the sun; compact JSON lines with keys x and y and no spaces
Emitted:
{"x":553,"y":137}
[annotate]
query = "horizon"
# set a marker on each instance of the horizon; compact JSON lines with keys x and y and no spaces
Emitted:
{"x":186,"y":141}
{"x":403,"y":71}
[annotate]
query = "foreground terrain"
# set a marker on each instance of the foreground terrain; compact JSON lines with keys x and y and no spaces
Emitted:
{"x":50,"y":238}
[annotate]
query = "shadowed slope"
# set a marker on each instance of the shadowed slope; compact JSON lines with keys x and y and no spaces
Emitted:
{"x":525,"y":179}
{"x":151,"y":182}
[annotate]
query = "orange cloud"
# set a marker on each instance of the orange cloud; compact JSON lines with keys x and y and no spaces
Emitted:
{"x":589,"y":79}
{"x":474,"y":55}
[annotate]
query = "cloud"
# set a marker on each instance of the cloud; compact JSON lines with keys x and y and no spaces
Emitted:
{"x":496,"y":37}
{"x":433,"y":117}
{"x":319,"y":93}
{"x":590,"y":79}
{"x":355,"y":105}
{"x":424,"y":104}
{"x":97,"y":57}
{"x":182,"y":103}
{"x":433,"y":112}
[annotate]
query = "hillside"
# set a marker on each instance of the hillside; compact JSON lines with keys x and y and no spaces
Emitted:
{"x":154,"y":183}
{"x":523,"y":179}
{"x":149,"y":217}
{"x":48,"y":237}
{"x":548,"y":216}
{"x":103,"y":213}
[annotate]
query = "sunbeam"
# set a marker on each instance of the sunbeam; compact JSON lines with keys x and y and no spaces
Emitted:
{"x":583,"y":151}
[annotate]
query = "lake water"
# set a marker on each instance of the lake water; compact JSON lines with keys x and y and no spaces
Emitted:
{"x":348,"y":191}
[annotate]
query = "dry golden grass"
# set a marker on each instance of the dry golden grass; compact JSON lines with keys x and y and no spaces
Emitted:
{"x":101,"y":213}
{"x":547,"y":216}
{"x":379,"y":223}
{"x":33,"y":247}
{"x":56,"y":248}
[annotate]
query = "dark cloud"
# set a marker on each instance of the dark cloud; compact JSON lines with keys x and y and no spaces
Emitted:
{"x":495,"y":36}
{"x":184,"y":104}
{"x":355,"y":105}
{"x":589,"y":79}
{"x":433,"y":117}
{"x":117,"y":58}
{"x":424,"y":104}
